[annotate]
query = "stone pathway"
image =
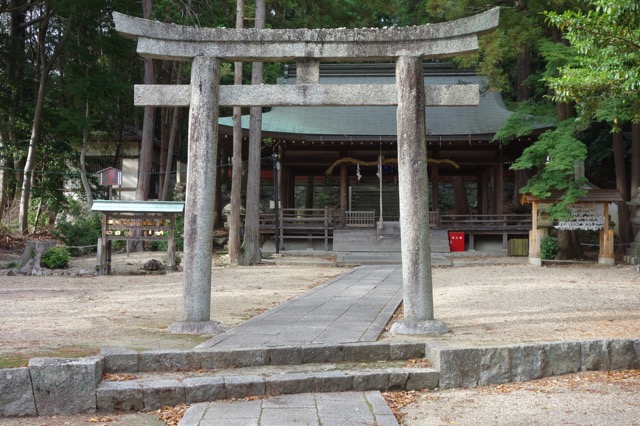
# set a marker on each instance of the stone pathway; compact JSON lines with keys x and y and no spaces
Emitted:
{"x":326,"y":409}
{"x":354,"y":307}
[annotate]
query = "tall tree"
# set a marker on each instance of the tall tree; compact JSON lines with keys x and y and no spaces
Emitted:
{"x":251,"y":245}
{"x":236,"y":178}
{"x":46,"y":34}
{"x":148,"y":124}
{"x":604,"y":82}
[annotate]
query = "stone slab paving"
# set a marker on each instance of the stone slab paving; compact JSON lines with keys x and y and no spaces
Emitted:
{"x":326,"y":409}
{"x":354,"y":307}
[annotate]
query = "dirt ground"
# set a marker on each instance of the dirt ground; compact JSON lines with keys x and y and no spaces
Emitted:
{"x":78,"y":315}
{"x":488,"y":302}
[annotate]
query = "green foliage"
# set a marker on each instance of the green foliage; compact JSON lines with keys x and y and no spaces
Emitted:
{"x":177,"y":259}
{"x":606,"y":75}
{"x":525,"y":119}
{"x":178,"y":238}
{"x":554,"y":156}
{"x":548,"y":248}
{"x":79,"y":228}
{"x":55,"y":258}
{"x":11,"y":265}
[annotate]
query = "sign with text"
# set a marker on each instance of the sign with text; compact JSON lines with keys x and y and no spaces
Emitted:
{"x":110,"y":176}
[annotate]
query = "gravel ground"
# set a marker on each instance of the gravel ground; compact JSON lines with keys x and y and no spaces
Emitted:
{"x":578,"y":399}
{"x":483,"y":304}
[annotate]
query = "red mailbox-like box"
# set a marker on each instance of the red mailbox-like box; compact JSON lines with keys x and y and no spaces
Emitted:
{"x":456,"y":241}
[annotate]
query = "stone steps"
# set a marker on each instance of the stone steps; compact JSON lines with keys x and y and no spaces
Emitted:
{"x":150,"y":392}
{"x":159,"y":378}
{"x":61,"y":386}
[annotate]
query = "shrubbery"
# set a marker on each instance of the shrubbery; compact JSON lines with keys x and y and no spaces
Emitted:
{"x":55,"y":258}
{"x":548,"y":248}
{"x":79,"y":228}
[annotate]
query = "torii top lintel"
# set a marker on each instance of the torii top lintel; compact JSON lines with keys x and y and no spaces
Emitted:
{"x":176,"y":42}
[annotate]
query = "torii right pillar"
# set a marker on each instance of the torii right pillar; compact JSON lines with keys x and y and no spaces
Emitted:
{"x":414,"y":203}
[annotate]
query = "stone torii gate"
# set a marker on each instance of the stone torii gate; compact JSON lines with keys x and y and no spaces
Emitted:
{"x":408,"y":47}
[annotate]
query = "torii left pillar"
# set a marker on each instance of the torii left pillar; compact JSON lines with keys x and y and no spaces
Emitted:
{"x":201,"y":177}
{"x":414,"y":203}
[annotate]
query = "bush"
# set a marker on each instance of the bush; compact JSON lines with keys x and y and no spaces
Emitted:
{"x":55,"y":258}
{"x":79,"y":228}
{"x":548,"y":248}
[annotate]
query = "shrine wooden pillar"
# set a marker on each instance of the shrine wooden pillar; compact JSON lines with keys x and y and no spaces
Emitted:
{"x":606,"y":254}
{"x":344,"y":194}
{"x":498,"y":184}
{"x":534,"y":237}
{"x":435,"y":183}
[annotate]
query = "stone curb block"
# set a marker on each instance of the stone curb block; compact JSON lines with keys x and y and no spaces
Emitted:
{"x":284,"y":384}
{"x":119,"y":360}
{"x":16,"y":394}
{"x":243,"y":386}
{"x":52,"y":386}
{"x":65,"y":385}
{"x":159,"y":393}
{"x":202,"y":389}
{"x":155,"y":394}
{"x":468,"y":367}
{"x":121,"y":396}
{"x":167,"y":360}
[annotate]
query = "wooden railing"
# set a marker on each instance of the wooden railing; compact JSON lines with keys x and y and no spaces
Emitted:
{"x":519,"y":222}
{"x":299,"y":223}
{"x":361,"y":219}
{"x":434,"y":218}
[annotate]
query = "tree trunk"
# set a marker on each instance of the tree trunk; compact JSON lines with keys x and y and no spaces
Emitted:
{"x":576,"y":244}
{"x":148,"y":123}
{"x":251,"y":245}
{"x":308,"y":194}
{"x":83,"y":170}
{"x":14,"y":68}
{"x":624,"y":221}
{"x":565,"y":246}
{"x":25,"y":196}
{"x":217,"y":203}
{"x":460,"y":196}
{"x":236,"y":179}
{"x":521,"y":179}
{"x":635,"y":168}
{"x":523,"y":72}
{"x":4,"y":177}
{"x":173,"y":134}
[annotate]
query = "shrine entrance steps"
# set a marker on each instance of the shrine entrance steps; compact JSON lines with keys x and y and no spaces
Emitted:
{"x":385,"y":240}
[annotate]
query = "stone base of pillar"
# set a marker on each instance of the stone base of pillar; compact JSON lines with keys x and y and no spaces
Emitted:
{"x":606,"y":261}
{"x":196,"y":327}
{"x":427,"y":327}
{"x":535,"y":261}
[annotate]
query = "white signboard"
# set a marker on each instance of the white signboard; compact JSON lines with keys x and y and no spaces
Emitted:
{"x":587,"y":217}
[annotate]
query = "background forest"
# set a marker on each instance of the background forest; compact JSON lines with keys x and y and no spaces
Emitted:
{"x":66,"y":77}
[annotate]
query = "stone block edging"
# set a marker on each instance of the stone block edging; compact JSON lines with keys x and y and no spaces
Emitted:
{"x":469,"y":367}
{"x":119,"y":360}
{"x":59,"y":386}
{"x":150,"y":395}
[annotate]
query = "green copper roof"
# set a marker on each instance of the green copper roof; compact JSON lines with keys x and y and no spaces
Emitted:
{"x":138,"y":206}
{"x":484,"y":119}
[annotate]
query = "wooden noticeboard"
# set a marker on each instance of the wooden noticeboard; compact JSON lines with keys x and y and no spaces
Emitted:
{"x":136,"y":221}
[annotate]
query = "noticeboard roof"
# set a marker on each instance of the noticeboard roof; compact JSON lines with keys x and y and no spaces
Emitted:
{"x":592,"y":196}
{"x":138,"y":206}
